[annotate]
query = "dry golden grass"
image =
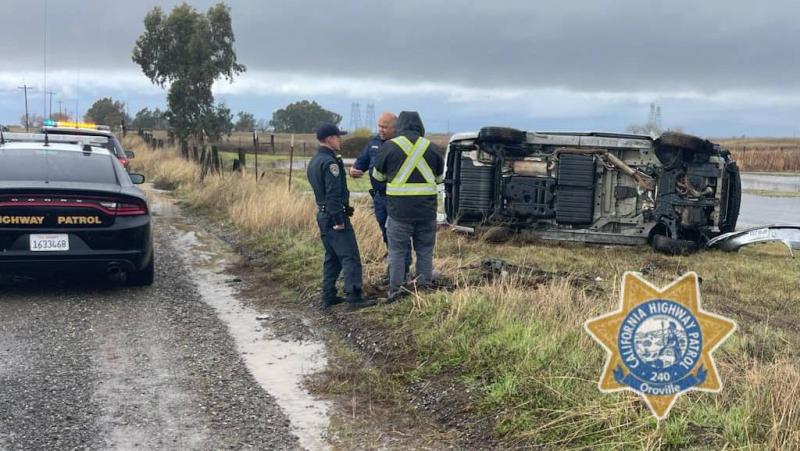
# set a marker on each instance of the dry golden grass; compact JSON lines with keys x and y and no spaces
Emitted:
{"x":521,"y":346}
{"x":767,"y":155}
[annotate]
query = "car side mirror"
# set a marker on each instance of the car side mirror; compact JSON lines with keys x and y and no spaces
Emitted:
{"x":137,"y":179}
{"x":129,"y":154}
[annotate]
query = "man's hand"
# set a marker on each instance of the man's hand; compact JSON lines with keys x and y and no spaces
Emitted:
{"x":338,"y":221}
{"x":355,"y":172}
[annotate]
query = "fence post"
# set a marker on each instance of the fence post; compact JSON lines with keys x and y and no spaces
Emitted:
{"x":272,"y":142}
{"x":291,"y":162}
{"x":242,"y":157}
{"x":255,"y":151}
{"x":215,"y":163}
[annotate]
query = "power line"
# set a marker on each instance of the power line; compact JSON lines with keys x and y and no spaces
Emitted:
{"x":25,"y":89}
{"x":44,"y":100}
{"x":355,"y":116}
{"x":369,"y":117}
{"x":50,"y":109}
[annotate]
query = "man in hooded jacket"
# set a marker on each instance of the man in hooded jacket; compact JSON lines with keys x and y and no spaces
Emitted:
{"x":411,"y":166}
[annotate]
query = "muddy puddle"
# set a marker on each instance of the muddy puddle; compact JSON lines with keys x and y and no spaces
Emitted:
{"x":759,"y":209}
{"x":279,"y":363}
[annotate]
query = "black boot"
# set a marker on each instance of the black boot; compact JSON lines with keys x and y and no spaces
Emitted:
{"x":359,"y":304}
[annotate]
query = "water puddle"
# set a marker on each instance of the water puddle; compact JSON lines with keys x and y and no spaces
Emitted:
{"x":279,"y":366}
{"x":763,"y":210}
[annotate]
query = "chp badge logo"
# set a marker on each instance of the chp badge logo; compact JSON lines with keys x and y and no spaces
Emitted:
{"x":660,"y":342}
{"x":334,"y":168}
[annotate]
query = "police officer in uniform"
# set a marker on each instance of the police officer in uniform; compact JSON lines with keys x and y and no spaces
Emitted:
{"x":327,"y":178}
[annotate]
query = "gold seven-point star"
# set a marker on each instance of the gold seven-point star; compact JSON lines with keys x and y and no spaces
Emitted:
{"x":659,"y":342}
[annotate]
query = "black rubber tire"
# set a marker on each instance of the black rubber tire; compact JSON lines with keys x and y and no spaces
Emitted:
{"x":502,"y":135}
{"x":142,"y":278}
{"x":497,"y":234}
{"x":734,"y":199}
{"x":684,"y":141}
{"x":667,"y":245}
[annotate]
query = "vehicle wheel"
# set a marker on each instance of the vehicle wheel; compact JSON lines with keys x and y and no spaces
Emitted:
{"x":734,"y":199}
{"x":497,"y":234}
{"x":503,"y":135}
{"x":143,"y":278}
{"x":667,"y":245}
{"x":684,"y":141}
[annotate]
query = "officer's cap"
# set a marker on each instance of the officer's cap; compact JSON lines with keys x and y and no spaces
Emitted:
{"x":326,"y":129}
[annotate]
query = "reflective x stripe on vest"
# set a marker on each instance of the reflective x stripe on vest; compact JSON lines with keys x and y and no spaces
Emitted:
{"x":399,"y":185}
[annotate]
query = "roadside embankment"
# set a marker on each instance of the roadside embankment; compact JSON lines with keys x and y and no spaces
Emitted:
{"x":497,"y":355}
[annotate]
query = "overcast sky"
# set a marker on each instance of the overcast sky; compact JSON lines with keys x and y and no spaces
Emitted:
{"x":716,"y":68}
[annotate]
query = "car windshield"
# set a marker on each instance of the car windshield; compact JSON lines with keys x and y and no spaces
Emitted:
{"x":112,"y":145}
{"x":56,"y":166}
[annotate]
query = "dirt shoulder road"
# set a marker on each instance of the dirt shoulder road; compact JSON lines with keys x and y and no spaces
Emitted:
{"x":88,"y":365}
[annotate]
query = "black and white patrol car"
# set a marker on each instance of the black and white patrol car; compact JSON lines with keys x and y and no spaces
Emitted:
{"x":67,"y":207}
{"x":88,"y":129}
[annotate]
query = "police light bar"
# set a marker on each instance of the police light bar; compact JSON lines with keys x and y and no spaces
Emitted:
{"x":89,"y":125}
{"x":55,"y":138}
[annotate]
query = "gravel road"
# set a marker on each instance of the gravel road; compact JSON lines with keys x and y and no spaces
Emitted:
{"x":89,"y":365}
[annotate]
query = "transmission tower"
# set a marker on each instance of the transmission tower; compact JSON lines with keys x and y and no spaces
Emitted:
{"x":355,"y":116}
{"x":369,"y":117}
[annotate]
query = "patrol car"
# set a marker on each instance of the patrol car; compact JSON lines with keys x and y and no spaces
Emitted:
{"x":675,"y":192}
{"x":90,"y":129}
{"x":67,"y":207}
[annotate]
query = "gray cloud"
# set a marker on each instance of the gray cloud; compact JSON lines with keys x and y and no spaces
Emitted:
{"x":612,"y":46}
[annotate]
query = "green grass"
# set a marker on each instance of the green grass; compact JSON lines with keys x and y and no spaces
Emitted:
{"x":517,"y":343}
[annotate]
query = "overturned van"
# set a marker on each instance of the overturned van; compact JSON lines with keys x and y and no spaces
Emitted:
{"x":675,"y":192}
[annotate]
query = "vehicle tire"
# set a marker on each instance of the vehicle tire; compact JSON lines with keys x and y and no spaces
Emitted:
{"x":143,"y":278}
{"x":502,"y":135}
{"x":667,"y":245}
{"x":684,"y":141}
{"x":734,"y":195}
{"x":497,"y":234}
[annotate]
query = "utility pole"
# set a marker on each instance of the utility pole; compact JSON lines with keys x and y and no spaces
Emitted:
{"x":50,"y":109}
{"x":25,"y":88}
{"x":60,"y":112}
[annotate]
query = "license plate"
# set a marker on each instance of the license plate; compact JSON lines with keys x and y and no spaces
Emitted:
{"x":50,"y":243}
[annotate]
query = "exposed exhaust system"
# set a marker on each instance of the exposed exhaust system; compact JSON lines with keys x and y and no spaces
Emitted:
{"x":115,"y":273}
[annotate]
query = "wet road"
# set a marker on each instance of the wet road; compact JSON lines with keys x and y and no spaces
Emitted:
{"x":757,"y":209}
{"x":86,"y":365}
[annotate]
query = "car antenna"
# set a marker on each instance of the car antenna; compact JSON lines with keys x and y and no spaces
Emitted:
{"x":46,"y":138}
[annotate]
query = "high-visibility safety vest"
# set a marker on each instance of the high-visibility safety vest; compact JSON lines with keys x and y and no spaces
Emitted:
{"x":415,"y":153}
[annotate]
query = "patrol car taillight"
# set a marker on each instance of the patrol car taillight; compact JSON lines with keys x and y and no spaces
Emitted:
{"x":109,"y":206}
{"x":131,"y":209}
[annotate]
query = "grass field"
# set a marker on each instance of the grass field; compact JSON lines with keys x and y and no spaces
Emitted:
{"x":513,"y":338}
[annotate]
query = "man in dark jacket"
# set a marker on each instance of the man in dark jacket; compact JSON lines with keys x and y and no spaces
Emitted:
{"x":412,"y":167}
{"x":327,"y":178}
{"x":365,"y":162}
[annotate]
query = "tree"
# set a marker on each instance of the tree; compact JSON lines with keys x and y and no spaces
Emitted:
{"x":107,"y":111}
{"x":34,"y":121}
{"x":245,"y":122}
{"x":189,"y":51}
{"x":145,"y":118}
{"x":302,"y":117}
{"x":59,"y":117}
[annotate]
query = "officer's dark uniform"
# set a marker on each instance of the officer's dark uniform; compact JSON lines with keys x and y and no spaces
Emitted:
{"x":327,"y":178}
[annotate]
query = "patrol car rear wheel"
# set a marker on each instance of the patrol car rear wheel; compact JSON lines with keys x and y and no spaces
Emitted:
{"x":501,"y":135}
{"x":143,"y":278}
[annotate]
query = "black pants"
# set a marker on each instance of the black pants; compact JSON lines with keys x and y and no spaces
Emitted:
{"x":341,"y":256}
